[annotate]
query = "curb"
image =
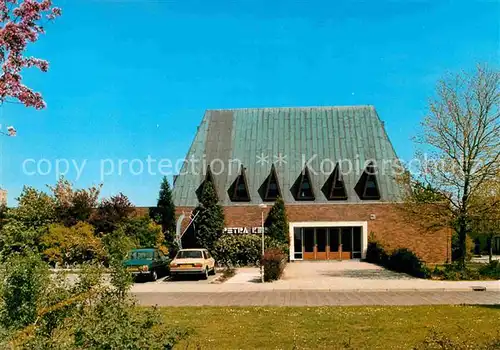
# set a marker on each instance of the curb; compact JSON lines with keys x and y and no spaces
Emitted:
{"x":436,"y":290}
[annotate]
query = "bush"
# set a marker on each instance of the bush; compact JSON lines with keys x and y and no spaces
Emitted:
{"x":40,"y":312}
{"x":71,"y":245}
{"x":439,"y":340}
{"x":144,"y":231}
{"x":117,"y":245}
{"x":376,"y":254}
{"x":400,"y":260}
{"x":23,"y":282}
{"x":404,"y":260}
{"x":241,"y":250}
{"x":454,"y":272}
{"x":491,"y":270}
{"x":274,"y":262}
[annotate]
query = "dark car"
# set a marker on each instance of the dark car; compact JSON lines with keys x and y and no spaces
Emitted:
{"x":147,"y":262}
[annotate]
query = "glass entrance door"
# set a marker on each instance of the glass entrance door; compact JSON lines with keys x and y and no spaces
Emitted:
{"x":321,"y":244}
{"x":333,"y":243}
{"x":346,"y":242}
{"x":327,"y":243}
{"x":309,"y":243}
{"x":297,"y":243}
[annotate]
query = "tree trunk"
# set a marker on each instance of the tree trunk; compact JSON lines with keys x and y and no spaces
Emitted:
{"x":462,"y":238}
{"x":490,"y":249}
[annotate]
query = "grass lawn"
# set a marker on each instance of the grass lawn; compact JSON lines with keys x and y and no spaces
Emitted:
{"x":330,"y":327}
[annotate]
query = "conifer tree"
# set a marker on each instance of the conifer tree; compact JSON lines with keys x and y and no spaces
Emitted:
{"x":165,"y":215}
{"x":209,"y":222}
{"x":277,"y":222}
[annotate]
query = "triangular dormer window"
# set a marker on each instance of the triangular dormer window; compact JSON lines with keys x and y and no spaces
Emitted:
{"x":367,"y":186}
{"x":238,"y":192}
{"x":334,"y":188}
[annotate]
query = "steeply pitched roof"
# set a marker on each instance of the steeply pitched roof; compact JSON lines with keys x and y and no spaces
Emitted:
{"x":291,"y":138}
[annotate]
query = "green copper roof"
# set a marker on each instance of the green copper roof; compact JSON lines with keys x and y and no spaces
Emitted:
{"x":289,"y":138}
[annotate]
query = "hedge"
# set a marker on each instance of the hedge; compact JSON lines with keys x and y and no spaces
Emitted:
{"x":242,"y":250}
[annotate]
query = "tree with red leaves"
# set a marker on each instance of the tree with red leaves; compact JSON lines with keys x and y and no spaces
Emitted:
{"x":21,"y":23}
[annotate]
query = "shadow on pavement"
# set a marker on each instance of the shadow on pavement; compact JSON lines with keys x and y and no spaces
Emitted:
{"x":367,"y":274}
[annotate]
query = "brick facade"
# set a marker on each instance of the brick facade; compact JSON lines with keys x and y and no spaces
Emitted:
{"x":385,"y":221}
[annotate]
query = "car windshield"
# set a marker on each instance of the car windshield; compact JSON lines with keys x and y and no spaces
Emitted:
{"x":189,"y":254}
{"x":140,"y":255}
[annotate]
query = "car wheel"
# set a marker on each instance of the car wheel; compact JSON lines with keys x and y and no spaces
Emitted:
{"x":205,"y":274}
{"x":212,"y":272}
{"x":154,"y":275}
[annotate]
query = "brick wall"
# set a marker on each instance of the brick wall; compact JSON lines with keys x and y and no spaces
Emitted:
{"x":389,"y":226}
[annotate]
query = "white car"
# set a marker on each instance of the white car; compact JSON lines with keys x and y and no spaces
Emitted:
{"x":195,"y":261}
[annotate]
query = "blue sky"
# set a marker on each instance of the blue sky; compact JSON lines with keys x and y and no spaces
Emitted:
{"x":130,"y":79}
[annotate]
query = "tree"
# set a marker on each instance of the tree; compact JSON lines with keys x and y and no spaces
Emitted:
{"x":277,"y":222}
{"x":111,"y":212}
{"x":144,"y":232}
{"x":165,"y":215}
{"x":22,"y":22}
{"x":35,"y":208}
{"x":209,"y":222}
{"x":70,"y":245}
{"x":3,"y":214}
{"x":74,"y":206}
{"x":25,"y":224}
{"x":461,"y":141}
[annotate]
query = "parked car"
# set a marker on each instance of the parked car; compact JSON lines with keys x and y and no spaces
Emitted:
{"x":147,"y":262}
{"x":192,"y":262}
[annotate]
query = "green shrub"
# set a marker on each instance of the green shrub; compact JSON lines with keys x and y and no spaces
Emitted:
{"x":491,"y":270}
{"x":71,"y":245}
{"x":39,"y":312}
{"x":404,"y":260}
{"x":144,"y":231}
{"x":241,"y":250}
{"x":376,"y":254}
{"x":437,"y":340}
{"x":112,"y":322}
{"x":117,"y":245}
{"x":274,"y":262}
{"x":454,"y":272}
{"x":400,"y":260}
{"x":23,"y":282}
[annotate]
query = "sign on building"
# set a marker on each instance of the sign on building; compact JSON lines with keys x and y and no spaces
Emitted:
{"x":242,"y":230}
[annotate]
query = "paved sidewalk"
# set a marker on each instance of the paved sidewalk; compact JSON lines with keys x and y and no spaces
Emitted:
{"x":342,"y":286}
{"x":317,"y":298}
{"x":345,"y":276}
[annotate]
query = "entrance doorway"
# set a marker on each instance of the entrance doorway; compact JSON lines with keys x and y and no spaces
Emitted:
{"x":327,"y":243}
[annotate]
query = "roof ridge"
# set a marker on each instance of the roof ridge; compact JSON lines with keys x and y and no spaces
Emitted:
{"x":299,"y":107}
